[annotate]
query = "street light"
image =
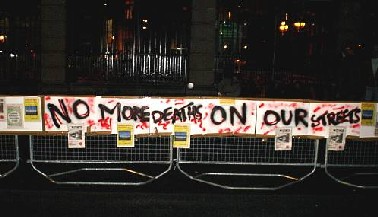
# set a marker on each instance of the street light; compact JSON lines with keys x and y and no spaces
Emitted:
{"x":299,"y":25}
{"x":283,"y":27}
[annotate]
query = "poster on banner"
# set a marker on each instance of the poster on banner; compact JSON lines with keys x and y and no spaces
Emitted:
{"x":368,"y":111}
{"x":181,"y":136}
{"x":14,"y":116}
{"x":76,"y":136}
{"x":336,"y":138}
{"x":272,"y":115}
{"x":325,"y":115}
{"x":369,"y":124}
{"x":283,"y":139}
{"x":32,"y":109}
{"x":125,"y":135}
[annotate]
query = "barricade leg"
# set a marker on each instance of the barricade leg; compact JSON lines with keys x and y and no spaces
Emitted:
{"x":356,"y":165}
{"x":101,"y":162}
{"x":238,"y":162}
{"x":9,"y":154}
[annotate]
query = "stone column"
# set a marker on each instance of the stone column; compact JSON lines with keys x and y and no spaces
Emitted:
{"x":53,"y":41}
{"x":202,"y":50}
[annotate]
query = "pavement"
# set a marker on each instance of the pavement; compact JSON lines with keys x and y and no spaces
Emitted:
{"x":26,"y":193}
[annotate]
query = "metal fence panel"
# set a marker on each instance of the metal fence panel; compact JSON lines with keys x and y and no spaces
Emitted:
{"x":247,"y":151}
{"x":100,"y":154}
{"x":9,"y":154}
{"x":356,"y":165}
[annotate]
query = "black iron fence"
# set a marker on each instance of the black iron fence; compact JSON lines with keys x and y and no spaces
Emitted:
{"x":141,"y":68}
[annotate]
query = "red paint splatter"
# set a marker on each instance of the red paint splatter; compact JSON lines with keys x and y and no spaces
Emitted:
{"x":111,"y":101}
{"x":299,"y":128}
{"x":91,"y":123}
{"x":262,"y":125}
{"x":246,"y":128}
{"x":339,"y":108}
{"x":105,"y":123}
{"x":294,"y":105}
{"x":48,"y":123}
{"x":179,"y":101}
{"x":91,"y":104}
{"x":318,"y":129}
{"x":356,"y":125}
{"x":211,"y":106}
{"x":143,"y":125}
{"x":317,"y":109}
{"x":225,"y":130}
{"x":206,"y":115}
{"x":261,"y":105}
{"x":237,"y":131}
{"x":267,"y":132}
{"x":68,"y":102}
{"x":47,"y":98}
{"x":164,"y":125}
{"x":167,"y":101}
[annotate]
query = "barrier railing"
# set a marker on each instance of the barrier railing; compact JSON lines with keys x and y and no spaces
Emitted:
{"x":213,"y":160}
{"x":9,"y":154}
{"x":226,"y":162}
{"x":101,"y":162}
{"x":356,"y":165}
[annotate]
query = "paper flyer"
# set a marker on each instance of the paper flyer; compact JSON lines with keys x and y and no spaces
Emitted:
{"x":14,"y":116}
{"x":336,"y":138}
{"x":125,"y":135}
{"x":2,"y":112}
{"x":283,"y":139}
{"x":368,"y":114}
{"x":76,"y":136}
{"x":181,"y":136}
{"x":32,"y":109}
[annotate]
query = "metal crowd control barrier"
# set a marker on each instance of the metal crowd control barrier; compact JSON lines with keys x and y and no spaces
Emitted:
{"x":9,"y":154}
{"x":356,"y":165}
{"x":238,"y":162}
{"x":101,"y":162}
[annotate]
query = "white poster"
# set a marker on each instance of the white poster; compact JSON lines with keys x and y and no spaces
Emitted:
{"x":283,"y":139}
{"x":336,"y":138}
{"x":76,"y":136}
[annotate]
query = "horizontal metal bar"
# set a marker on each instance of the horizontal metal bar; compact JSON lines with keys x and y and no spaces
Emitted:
{"x":351,"y":165}
{"x":98,"y":162}
{"x":247,"y":164}
{"x":247,"y":174}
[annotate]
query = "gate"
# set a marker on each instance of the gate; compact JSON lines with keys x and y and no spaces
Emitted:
{"x":100,"y":162}
{"x":247,"y":162}
{"x":356,"y":165}
{"x":9,"y":154}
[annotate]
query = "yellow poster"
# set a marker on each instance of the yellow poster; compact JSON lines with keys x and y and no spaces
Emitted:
{"x":125,"y":135}
{"x":181,"y":138}
{"x":32,"y":110}
{"x":368,"y":114}
{"x":227,"y":101}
